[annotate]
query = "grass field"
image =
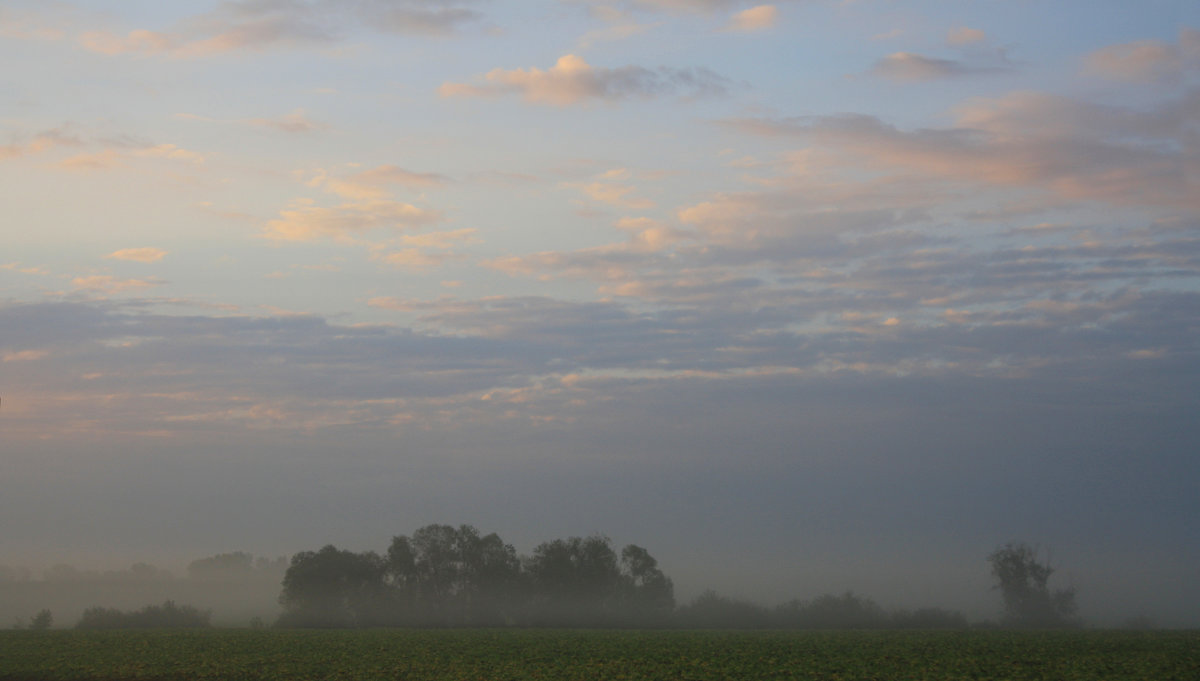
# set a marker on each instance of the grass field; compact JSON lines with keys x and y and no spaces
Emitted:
{"x":563,"y":655}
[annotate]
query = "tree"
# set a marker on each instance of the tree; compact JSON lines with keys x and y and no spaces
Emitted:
{"x":575,"y":581}
{"x":649,"y":592}
{"x":453,"y":575}
{"x":41,"y":621}
{"x":491,"y":573}
{"x":334,"y":588}
{"x":1022,"y":580}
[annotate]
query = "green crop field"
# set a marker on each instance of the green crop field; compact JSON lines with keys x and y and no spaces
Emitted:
{"x":154,"y":655}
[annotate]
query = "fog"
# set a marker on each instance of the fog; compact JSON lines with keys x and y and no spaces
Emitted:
{"x":839,"y":488}
{"x":1113,"y":591}
{"x":727,"y":508}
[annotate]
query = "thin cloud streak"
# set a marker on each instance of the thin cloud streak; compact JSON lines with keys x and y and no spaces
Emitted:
{"x":248,"y":26}
{"x":573,"y":81}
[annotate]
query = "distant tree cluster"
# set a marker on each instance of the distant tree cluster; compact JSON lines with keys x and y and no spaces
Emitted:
{"x":846,"y":611}
{"x":454,"y":576}
{"x":167,"y":615}
{"x":234,"y":566}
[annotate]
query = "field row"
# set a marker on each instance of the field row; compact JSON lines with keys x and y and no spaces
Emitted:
{"x":559,"y":655}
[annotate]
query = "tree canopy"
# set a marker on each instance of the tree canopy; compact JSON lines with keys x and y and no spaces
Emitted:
{"x":456,"y":576}
{"x":1022,"y":580}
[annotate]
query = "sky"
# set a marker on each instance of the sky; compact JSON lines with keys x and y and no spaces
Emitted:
{"x":802,"y":297}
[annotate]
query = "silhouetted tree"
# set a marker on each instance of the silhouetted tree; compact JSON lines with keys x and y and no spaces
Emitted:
{"x":492,"y":575}
{"x":649,"y":594}
{"x":451,"y":575}
{"x":335,"y":588}
{"x":41,"y":621}
{"x":575,"y":581}
{"x":1022,"y":581}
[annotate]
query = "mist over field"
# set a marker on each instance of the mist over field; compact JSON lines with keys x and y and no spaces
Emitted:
{"x":802,"y":297}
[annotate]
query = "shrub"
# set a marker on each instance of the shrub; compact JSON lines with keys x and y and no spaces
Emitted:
{"x":167,"y":615}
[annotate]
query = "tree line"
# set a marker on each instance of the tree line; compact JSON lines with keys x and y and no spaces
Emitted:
{"x":234,"y":566}
{"x":445,"y":576}
{"x":454,"y":576}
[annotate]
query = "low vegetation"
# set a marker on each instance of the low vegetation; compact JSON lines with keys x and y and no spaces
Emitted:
{"x":166,"y":616}
{"x":528,"y":654}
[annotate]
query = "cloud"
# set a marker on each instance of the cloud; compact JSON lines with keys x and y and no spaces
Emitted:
{"x":868,"y":323}
{"x":170,"y":151}
{"x":18,"y":267}
{"x":424,"y":251}
{"x":415,"y":258}
{"x":207,"y":35}
{"x":1149,"y":60}
{"x":620,"y":26}
{"x":573,"y":81}
{"x":908,"y":67}
{"x":757,"y":18}
{"x":144,"y":254}
{"x":417,"y":17}
{"x":306,"y":222}
{"x":25,"y":25}
{"x":1073,"y":149}
{"x":616,"y":195}
{"x":621,"y":266}
{"x":677,"y":6}
{"x":103,"y":283}
{"x":24,"y":356}
{"x":40,"y":142}
{"x":254,"y":25}
{"x":368,"y":206}
{"x":444,"y":239}
{"x":116,"y":152}
{"x":963,"y":35}
{"x":375,"y":183}
{"x":868,"y":219}
{"x":651,"y":235}
{"x":142,"y":41}
{"x":294,"y":122}
{"x":101,"y":160}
